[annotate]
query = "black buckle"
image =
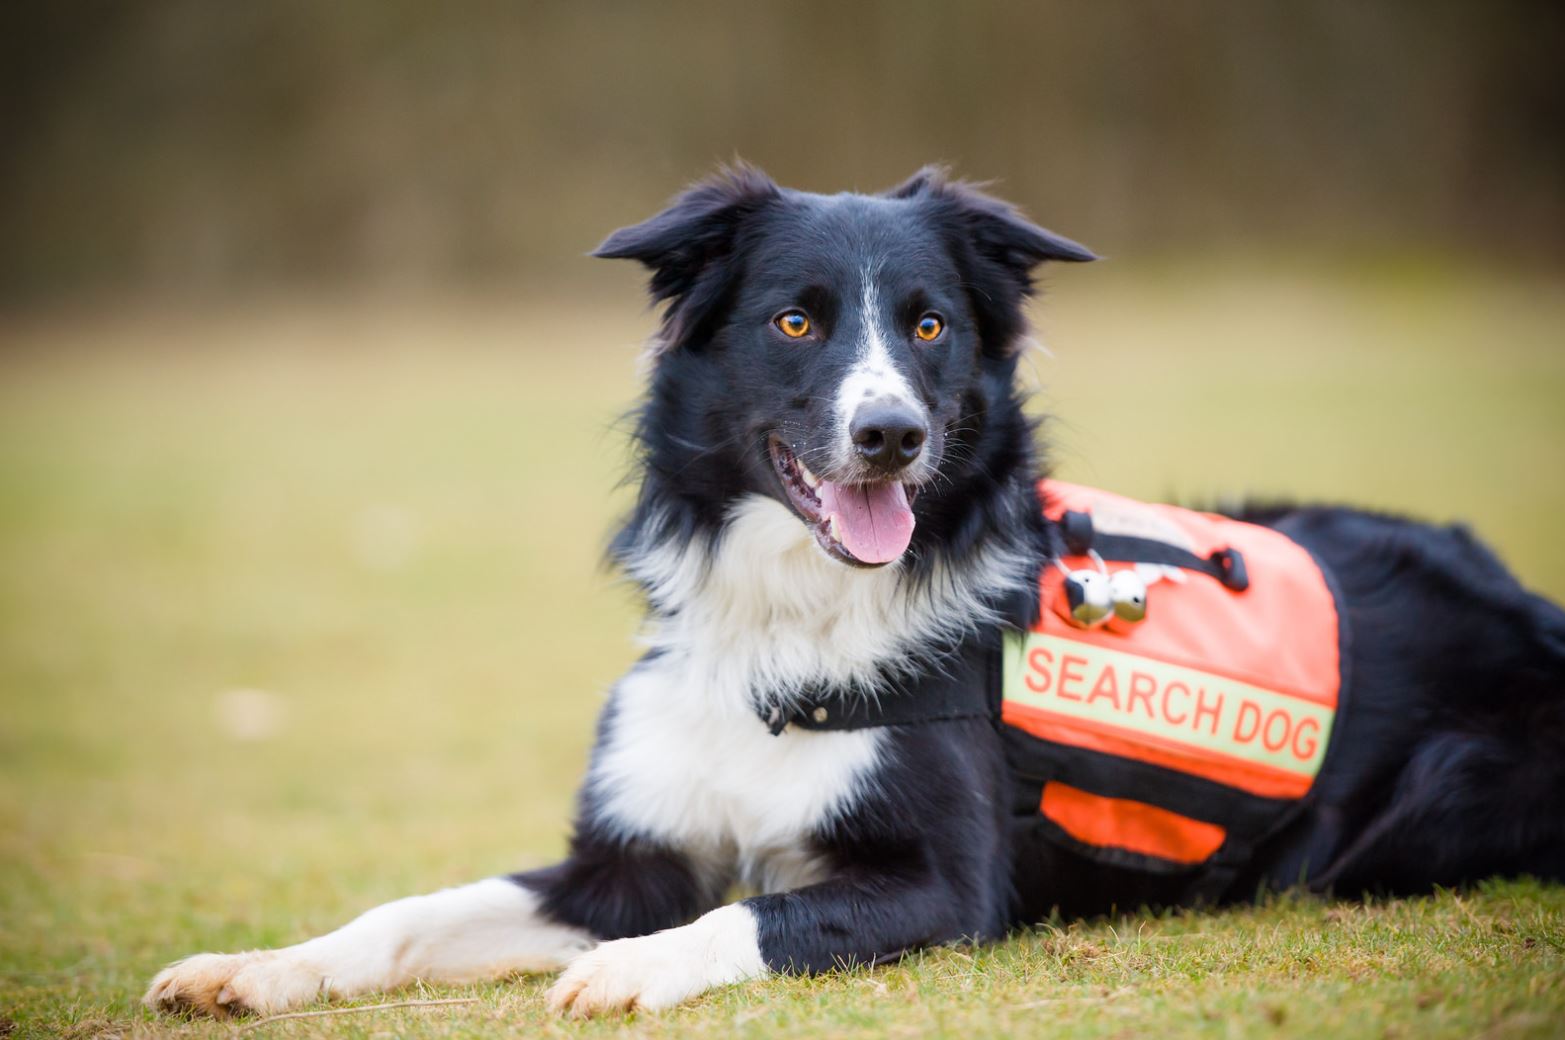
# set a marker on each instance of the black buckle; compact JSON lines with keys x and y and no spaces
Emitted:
{"x":1231,"y":569}
{"x":1077,"y":529}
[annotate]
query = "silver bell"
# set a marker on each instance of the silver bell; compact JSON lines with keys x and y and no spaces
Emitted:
{"x":1087,"y":594}
{"x":1128,"y":592}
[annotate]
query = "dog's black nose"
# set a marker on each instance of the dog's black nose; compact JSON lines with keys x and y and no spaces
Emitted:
{"x":888,"y":434}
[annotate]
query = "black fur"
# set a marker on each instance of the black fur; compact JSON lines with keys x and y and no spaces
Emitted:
{"x":1448,"y":761}
{"x":921,"y":860}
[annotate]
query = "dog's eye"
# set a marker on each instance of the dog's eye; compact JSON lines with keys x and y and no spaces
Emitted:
{"x":929,"y":327}
{"x":793,"y":324}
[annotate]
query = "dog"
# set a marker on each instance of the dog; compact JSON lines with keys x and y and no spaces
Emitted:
{"x":839,"y":497}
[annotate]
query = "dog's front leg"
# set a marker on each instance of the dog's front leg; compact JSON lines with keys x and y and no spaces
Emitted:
{"x":484,"y":930}
{"x":533,"y":922}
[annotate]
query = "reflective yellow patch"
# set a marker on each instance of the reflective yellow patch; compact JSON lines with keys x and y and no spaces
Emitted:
{"x":1167,"y":706}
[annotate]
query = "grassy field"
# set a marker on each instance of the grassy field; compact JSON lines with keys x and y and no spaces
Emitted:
{"x":300,"y":611}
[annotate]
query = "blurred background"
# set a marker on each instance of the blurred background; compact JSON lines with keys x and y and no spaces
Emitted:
{"x":308,"y":392}
{"x":182,"y":146}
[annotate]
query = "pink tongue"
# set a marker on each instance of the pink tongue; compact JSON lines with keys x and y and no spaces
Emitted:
{"x":874,"y":522}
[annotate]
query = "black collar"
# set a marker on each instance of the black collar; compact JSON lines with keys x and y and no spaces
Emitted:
{"x":963,"y":683}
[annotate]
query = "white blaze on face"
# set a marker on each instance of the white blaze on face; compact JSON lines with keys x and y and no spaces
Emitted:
{"x":873,"y":521}
{"x":874,"y":374}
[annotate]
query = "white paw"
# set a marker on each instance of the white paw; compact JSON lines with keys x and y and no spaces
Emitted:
{"x":654,"y":972}
{"x":260,"y":982}
{"x":623,"y":975}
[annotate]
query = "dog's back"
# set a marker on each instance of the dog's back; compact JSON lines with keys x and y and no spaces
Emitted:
{"x":1452,"y":761}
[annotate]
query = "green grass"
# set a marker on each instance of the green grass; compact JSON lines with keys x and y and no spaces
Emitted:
{"x":388,"y":518}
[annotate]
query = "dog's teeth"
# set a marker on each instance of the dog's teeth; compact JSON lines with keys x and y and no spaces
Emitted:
{"x":831,"y":528}
{"x":809,"y":478}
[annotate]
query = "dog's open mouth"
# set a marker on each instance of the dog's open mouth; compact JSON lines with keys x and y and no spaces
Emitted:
{"x":865,"y":524}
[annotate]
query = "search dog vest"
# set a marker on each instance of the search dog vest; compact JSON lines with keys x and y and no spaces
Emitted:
{"x":1170,"y":744}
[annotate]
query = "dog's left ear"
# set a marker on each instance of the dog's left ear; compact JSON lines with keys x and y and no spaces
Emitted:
{"x":997,"y":246}
{"x":687,"y":246}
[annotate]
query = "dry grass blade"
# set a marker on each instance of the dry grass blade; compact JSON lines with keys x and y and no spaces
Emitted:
{"x":356,"y":1010}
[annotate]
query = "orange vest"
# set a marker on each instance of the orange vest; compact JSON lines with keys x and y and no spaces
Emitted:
{"x":1188,"y":736}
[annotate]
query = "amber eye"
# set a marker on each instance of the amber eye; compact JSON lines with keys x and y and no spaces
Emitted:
{"x":929,"y":327}
{"x":793,"y":324}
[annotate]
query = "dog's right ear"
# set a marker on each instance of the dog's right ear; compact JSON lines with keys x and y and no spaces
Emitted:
{"x":687,"y":246}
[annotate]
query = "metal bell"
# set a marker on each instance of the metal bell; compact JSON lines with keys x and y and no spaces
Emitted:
{"x":1128,"y":593}
{"x":1087,"y":595}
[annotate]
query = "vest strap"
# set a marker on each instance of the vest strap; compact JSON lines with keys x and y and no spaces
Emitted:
{"x":1225,"y":565}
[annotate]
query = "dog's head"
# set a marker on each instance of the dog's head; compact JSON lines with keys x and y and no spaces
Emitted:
{"x":847,"y":355}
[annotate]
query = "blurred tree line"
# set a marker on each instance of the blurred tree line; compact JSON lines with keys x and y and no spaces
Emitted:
{"x":201,"y":146}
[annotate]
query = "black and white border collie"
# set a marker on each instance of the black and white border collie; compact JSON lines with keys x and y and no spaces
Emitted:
{"x":837,"y":480}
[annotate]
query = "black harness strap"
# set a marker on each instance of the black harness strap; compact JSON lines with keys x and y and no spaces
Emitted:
{"x":1226,"y":565}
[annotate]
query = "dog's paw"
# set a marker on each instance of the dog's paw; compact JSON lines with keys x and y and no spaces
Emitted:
{"x":261,"y":982}
{"x":623,"y":975}
{"x":654,"y":972}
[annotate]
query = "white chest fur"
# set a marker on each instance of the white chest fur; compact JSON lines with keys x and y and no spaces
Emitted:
{"x":718,"y":784}
{"x":686,"y":759}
